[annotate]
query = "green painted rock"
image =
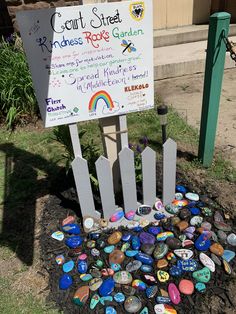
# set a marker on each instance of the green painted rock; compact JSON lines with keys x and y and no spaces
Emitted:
{"x":202,"y":275}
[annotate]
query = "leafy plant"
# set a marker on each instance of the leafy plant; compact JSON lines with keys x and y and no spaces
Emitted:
{"x":17,"y":97}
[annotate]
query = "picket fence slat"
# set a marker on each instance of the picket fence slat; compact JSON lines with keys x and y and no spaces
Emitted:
{"x":106,"y":188}
{"x":83,"y":187}
{"x":127,"y":171}
{"x":149,"y":176}
{"x":169,"y":171}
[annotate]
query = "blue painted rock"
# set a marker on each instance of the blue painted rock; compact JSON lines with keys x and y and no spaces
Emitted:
{"x":159,"y":216}
{"x":160,"y":251}
{"x":144,"y":210}
{"x":82,"y":267}
{"x":137,"y":228}
{"x":67,"y":267}
{"x":202,"y":243}
{"x":151,"y":292}
{"x":95,"y":283}
{"x":126,"y":237}
{"x":147,"y":238}
{"x":109,"y":249}
{"x":131,"y":253}
{"x":132,"y":304}
{"x":189,"y":265}
{"x":81,"y":295}
{"x":107,"y":287}
{"x":181,"y":189}
{"x":146,"y":268}
{"x":154,"y":230}
{"x":164,"y":235}
{"x":135,"y":243}
{"x":175,"y":271}
{"x":117,"y":216}
{"x":139,"y":285}
{"x":94,"y":301}
{"x":119,"y":297}
{"x":133,"y":266}
{"x":74,"y":242}
{"x":65,"y":282}
{"x":200,"y":287}
{"x":110,"y":310}
{"x":228,"y":255}
{"x":94,"y":235}
{"x":164,"y":300}
{"x":202,"y":275}
{"x":195,"y":211}
{"x":144,"y":258}
{"x":71,"y":229}
{"x":107,"y":298}
{"x":115,"y":267}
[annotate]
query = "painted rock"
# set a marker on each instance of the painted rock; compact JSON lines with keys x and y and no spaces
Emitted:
{"x":159,"y":216}
{"x":164,"y":309}
{"x":146,"y":268}
{"x":172,"y":209}
{"x":174,"y":293}
{"x":222,"y":235}
{"x":164,"y":235}
{"x":95,"y":252}
{"x":115,"y":237}
{"x":215,"y":259}
{"x":123,"y":277}
{"x":99,"y":263}
{"x":180,"y":203}
{"x":95,"y":283}
{"x":149,"y":279}
{"x":119,"y":297}
{"x":65,"y":282}
{"x":94,"y":235}
{"x":179,"y":196}
{"x":143,"y":222}
{"x":110,"y":310}
{"x":85,"y":277}
{"x":144,"y":311}
{"x":144,"y":258}
{"x":222,"y":226}
{"x":60,"y":259}
{"x":95,"y":273}
{"x":130,"y":215}
{"x":147,"y":238}
{"x":91,"y":244}
{"x":107,"y":272}
{"x":227,"y":267}
{"x":175,"y":271}
{"x":175,"y":220}
{"x":192,"y":196}
{"x":139,"y":285}
{"x":135,"y":243}
{"x":228,"y":255}
{"x":81,"y":295}
{"x":151,"y":292}
{"x":58,"y":235}
{"x":133,"y":266}
{"x":217,"y":249}
{"x":186,"y":286}
{"x":206,"y":225}
{"x":173,"y":243}
{"x":148,"y":248}
{"x":154,"y":230}
{"x":82,"y":267}
{"x":171,"y":256}
{"x":125,"y":247}
{"x":128,"y":290}
{"x":200,"y":287}
{"x":83,"y":257}
{"x":160,"y":251}
{"x":131,"y":253}
{"x":181,"y":189}
{"x":231,"y":239}
{"x":184,"y":254}
{"x":189,"y":265}
{"x":162,"y":263}
{"x":75,"y":252}
{"x":202,"y":275}
{"x":196,"y":221}
{"x":132,"y":304}
{"x":202,"y":243}
{"x":162,"y":276}
{"x":67,"y":267}
{"x":187,"y":243}
{"x":109,"y":249}
{"x":71,"y":229}
{"x":106,"y":287}
{"x":126,"y":237}
{"x":144,"y":210}
{"x":206,"y":211}
{"x":94,"y":301}
{"x":184,"y":214}
{"x":207,"y":261}
{"x":116,"y":257}
{"x":118,"y":215}
{"x":107,"y":298}
{"x":88,"y":223}
{"x":74,"y":242}
{"x":162,"y":300}
{"x":68,"y":220}
{"x":195,"y":211}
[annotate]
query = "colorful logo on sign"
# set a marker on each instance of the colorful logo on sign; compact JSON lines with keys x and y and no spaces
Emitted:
{"x":98,"y":96}
{"x":136,"y":10}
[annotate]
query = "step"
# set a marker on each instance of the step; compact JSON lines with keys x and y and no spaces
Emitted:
{"x":184,"y":59}
{"x":185,"y":34}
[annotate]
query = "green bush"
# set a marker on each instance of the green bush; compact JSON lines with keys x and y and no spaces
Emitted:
{"x":17,"y":97}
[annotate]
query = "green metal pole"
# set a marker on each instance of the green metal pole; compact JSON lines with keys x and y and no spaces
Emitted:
{"x":214,"y":69}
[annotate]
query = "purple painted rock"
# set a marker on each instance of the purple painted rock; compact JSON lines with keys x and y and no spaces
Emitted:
{"x":146,"y":238}
{"x":174,"y":293}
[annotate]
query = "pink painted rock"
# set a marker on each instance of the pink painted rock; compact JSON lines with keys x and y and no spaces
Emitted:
{"x":130,"y":215}
{"x":174,"y":293}
{"x":117,"y":216}
{"x":186,"y":286}
{"x":68,"y":220}
{"x":83,"y":257}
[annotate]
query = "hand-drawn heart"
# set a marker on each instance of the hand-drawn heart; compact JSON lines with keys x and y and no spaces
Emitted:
{"x":137,"y":12}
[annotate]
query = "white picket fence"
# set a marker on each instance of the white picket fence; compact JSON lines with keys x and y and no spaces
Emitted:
{"x":127,"y":170}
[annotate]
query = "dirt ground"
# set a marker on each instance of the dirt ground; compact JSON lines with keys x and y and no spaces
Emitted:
{"x":185,"y":95}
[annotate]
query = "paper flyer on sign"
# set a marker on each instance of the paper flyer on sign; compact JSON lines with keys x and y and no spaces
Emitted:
{"x":91,"y":61}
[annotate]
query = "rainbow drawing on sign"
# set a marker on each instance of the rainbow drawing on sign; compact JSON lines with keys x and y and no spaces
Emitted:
{"x":100,"y":95}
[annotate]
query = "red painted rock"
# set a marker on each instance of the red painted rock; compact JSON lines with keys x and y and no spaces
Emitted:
{"x":116,"y":257}
{"x":81,"y":295}
{"x":186,"y":286}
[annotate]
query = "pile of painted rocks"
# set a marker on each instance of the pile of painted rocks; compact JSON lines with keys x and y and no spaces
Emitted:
{"x":148,"y":267}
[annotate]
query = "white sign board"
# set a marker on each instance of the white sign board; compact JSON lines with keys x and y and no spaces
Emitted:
{"x":90,"y":61}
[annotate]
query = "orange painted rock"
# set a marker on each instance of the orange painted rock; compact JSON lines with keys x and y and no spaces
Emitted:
{"x":116,"y":257}
{"x":162,"y":263}
{"x":217,"y":249}
{"x":182,"y":225}
{"x":115,"y":237}
{"x":186,"y":287}
{"x":81,"y":295}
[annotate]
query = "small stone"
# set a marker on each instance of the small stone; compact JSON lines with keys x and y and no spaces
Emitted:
{"x":181,"y":189}
{"x":182,"y":237}
{"x":184,"y":254}
{"x":159,"y":216}
{"x":95,"y":283}
{"x":132,"y":304}
{"x":164,"y":235}
{"x":148,"y":248}
{"x":103,"y":223}
{"x":162,"y":276}
{"x":119,"y":297}
{"x":231,"y":239}
{"x":172,"y":209}
{"x":67,"y":267}
{"x":217,"y":249}
{"x":107,"y":298}
{"x":94,"y":301}
{"x":200,"y":287}
{"x":207,"y":261}
{"x":216,"y":259}
{"x":68,"y":220}
{"x":126,"y":237}
{"x":118,"y":215}
{"x":202,"y":243}
{"x":139,"y":285}
{"x":107,"y":287}
{"x":60,"y":259}
{"x":128,"y":290}
{"x":218,"y":217}
{"x":222,"y":226}
{"x":164,"y":293}
{"x":83,"y":257}
{"x":65,"y":282}
{"x":227,"y":267}
{"x":164,"y":309}
{"x":186,"y":286}
{"x":107,"y":272}
{"x":133,"y":266}
{"x":160,"y":251}
{"x":94,"y":235}
{"x":173,"y":243}
{"x":115,"y":237}
{"x":123,"y":277}
{"x":81,"y":295}
{"x":175,"y":220}
{"x":146,"y":268}
{"x":187,"y":243}
{"x":206,"y":211}
{"x":85,"y":277}
{"x":100,"y":244}
{"x":147,"y":238}
{"x":135,"y":243}
{"x":109,"y":249}
{"x":171,"y":256}
{"x":162,"y":263}
{"x":75,"y":252}
{"x":189,"y":265}
{"x":144,"y":311}
{"x":196,"y":221}
{"x":202,"y":275}
{"x":182,"y":225}
{"x":95,"y":273}
{"x":74,"y":242}
{"x":115,"y":267}
{"x":130,"y":215}
{"x":179,"y":196}
{"x":91,"y":244}
{"x":163,"y":300}
{"x":82,"y":267}
{"x":175,"y":271}
{"x":116,"y":257}
{"x":125,"y":247}
{"x":144,"y":258}
{"x":151,"y":292}
{"x":228,"y":255}
{"x":192,"y":196}
{"x":143,"y":222}
{"x":71,"y":229}
{"x":58,"y":235}
{"x":95,"y":252}
{"x":131,"y":253}
{"x":184,"y":213}
{"x":144,"y":210}
{"x":154,"y":230}
{"x":180,"y":203}
{"x":99,"y":263}
{"x":174,"y":293}
{"x":195,"y":211}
